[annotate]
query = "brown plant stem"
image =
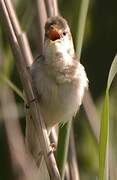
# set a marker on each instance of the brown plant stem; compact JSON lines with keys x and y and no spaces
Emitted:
{"x":72,"y":159}
{"x":21,"y":161}
{"x":92,"y":115}
{"x":41,"y":19}
{"x":51,"y":8}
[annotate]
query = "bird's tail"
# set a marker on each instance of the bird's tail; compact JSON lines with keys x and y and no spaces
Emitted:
{"x":33,"y":145}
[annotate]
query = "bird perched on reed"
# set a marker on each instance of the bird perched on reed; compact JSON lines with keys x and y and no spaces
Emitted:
{"x":59,"y":78}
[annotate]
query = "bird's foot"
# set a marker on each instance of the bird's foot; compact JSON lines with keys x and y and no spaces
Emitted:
{"x":28,"y":104}
{"x":52,"y":148}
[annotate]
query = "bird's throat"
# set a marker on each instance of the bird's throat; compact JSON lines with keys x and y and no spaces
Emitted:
{"x":59,"y":52}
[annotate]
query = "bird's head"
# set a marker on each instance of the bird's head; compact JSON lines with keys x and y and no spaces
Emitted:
{"x":56,"y":28}
{"x":57,"y":35}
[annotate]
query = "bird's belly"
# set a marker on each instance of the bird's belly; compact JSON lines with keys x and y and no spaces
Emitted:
{"x":61,"y":103}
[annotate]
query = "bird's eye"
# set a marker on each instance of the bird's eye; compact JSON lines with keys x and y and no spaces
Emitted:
{"x":64,"y":33}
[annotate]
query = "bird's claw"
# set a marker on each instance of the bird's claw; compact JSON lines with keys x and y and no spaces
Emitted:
{"x":52,"y":148}
{"x":28,"y":104}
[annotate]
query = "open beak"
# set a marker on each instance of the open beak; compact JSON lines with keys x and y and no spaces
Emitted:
{"x":53,"y":34}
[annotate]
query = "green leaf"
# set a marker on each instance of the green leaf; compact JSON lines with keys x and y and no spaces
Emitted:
{"x":81,"y":26}
{"x":12,"y":86}
{"x":104,"y":130}
{"x":112,"y":73}
{"x":62,"y":148}
{"x":104,"y":138}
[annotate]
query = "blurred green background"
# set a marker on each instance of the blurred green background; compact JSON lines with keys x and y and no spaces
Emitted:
{"x":99,"y":49}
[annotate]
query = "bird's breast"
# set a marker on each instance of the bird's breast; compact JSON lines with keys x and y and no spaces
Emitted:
{"x":61,"y":93}
{"x":60,"y":102}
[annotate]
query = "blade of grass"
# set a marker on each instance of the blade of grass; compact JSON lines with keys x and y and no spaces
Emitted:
{"x":104,"y":138}
{"x":112,"y":73}
{"x":62,"y":148}
{"x":12,"y":86}
{"x":81,"y":26}
{"x":104,"y":130}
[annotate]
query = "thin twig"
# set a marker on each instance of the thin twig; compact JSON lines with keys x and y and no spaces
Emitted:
{"x":20,"y":159}
{"x":17,"y":31}
{"x":51,"y":8}
{"x":41,"y":19}
{"x":55,"y":7}
{"x":72,"y":159}
{"x":25,"y":48}
{"x":13,"y":18}
{"x":92,"y":115}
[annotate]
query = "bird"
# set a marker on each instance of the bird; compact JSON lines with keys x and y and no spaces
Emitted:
{"x":59,"y":79}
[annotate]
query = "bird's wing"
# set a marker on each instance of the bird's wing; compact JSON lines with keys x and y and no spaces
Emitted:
{"x":35,"y":70}
{"x":32,"y":140}
{"x":31,"y":136}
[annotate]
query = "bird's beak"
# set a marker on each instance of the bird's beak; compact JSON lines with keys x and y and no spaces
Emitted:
{"x":53,"y":34}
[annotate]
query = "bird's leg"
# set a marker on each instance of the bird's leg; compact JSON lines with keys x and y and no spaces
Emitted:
{"x":52,"y":148}
{"x":27,"y":105}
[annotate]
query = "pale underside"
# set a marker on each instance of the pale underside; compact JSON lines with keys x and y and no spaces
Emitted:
{"x":60,"y":91}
